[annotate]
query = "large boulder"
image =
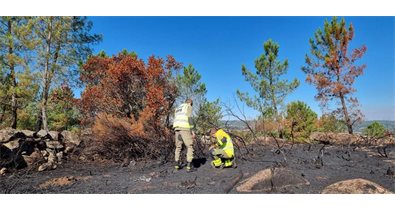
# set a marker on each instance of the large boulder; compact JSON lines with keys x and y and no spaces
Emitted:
{"x":355,"y":186}
{"x":272,"y":179}
{"x":6,"y":134}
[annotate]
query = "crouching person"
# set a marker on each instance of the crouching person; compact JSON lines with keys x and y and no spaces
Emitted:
{"x":222,"y":151}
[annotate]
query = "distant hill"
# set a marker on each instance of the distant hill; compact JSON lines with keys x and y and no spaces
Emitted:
{"x":234,"y":124}
{"x":358,"y":128}
{"x":390,"y":125}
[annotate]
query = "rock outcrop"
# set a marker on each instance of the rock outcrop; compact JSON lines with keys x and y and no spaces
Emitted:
{"x":355,"y":186}
{"x":272,"y":179}
{"x":44,"y":150}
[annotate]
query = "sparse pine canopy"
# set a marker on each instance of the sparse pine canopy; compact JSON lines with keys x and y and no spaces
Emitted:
{"x":190,"y":86}
{"x":270,"y":88}
{"x":206,"y":114}
{"x":332,"y":69}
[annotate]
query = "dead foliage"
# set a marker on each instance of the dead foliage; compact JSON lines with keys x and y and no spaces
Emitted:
{"x":120,"y":138}
{"x":62,"y":181}
{"x":128,"y":102}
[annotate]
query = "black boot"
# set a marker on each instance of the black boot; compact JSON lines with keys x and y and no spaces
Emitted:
{"x":177,"y":166}
{"x":190,"y":167}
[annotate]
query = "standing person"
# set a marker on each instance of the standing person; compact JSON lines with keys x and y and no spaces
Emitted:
{"x":223,"y":151}
{"x":183,"y":132}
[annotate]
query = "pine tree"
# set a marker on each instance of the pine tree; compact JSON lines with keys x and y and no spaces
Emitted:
{"x":332,"y":70}
{"x":190,"y":86}
{"x":16,"y":40}
{"x":65,"y":43}
{"x":270,"y":89}
{"x":302,"y":120}
{"x":206,"y":114}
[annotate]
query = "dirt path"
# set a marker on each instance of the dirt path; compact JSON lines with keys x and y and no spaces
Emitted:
{"x":160,"y":178}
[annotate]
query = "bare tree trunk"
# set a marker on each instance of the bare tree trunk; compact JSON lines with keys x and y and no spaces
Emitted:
{"x":14,"y":105}
{"x":44,"y":111}
{"x":44,"y":102}
{"x":345,"y":113}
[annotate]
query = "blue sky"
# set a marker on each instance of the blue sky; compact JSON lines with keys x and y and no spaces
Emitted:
{"x":218,"y":46}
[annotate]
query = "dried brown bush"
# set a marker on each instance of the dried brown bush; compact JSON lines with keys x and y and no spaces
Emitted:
{"x":122,"y":138}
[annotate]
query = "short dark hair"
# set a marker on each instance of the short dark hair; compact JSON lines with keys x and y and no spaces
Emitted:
{"x":188,"y":100}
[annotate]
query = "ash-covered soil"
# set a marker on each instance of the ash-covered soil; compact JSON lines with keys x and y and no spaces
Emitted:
{"x":154,"y":177}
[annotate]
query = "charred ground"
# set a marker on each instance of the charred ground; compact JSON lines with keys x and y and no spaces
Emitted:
{"x":320,"y":165}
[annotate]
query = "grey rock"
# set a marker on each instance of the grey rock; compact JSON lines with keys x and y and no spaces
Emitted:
{"x":54,"y":135}
{"x":41,"y":134}
{"x":59,"y":156}
{"x":3,"y":171}
{"x":12,"y":144}
{"x":272,"y":178}
{"x":6,"y":134}
{"x":44,"y":153}
{"x":70,"y":138}
{"x":69,"y":149}
{"x":47,"y":166}
{"x":54,"y":145}
{"x":355,"y":186}
{"x":27,"y":133}
{"x":52,"y":157}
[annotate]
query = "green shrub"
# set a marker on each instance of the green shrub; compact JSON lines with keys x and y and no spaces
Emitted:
{"x":329,"y":123}
{"x":375,"y":130}
{"x":301,"y":120}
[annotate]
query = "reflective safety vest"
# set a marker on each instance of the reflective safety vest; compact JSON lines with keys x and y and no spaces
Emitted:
{"x":227,"y":145}
{"x":181,"y":118}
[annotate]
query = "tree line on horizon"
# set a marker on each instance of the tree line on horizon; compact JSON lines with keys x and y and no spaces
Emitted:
{"x":126,"y":99}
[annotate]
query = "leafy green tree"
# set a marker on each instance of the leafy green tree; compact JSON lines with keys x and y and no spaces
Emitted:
{"x":332,"y":68}
{"x":16,"y":41}
{"x":301,"y":119}
{"x":375,"y":130}
{"x":64,"y":43}
{"x":270,"y":89}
